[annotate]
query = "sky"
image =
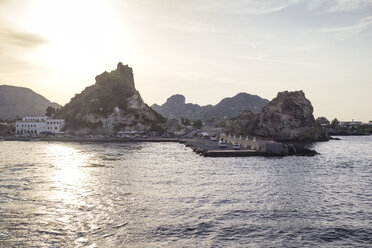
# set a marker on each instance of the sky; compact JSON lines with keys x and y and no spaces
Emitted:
{"x":203,"y":49}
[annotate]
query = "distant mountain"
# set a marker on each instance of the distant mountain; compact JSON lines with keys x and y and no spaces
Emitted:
{"x":111,"y":104}
{"x":176,"y":108}
{"x":19,"y":101}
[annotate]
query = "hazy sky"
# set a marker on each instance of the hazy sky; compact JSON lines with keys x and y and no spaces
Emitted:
{"x":204,"y":49}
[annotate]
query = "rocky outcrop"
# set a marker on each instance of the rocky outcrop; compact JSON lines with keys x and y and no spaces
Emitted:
{"x":289,"y":116}
{"x":17,"y":102}
{"x":110,"y":105}
{"x":176,"y":108}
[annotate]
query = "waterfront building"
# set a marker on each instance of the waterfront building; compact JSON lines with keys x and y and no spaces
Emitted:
{"x":351,"y":123}
{"x":38,"y":125}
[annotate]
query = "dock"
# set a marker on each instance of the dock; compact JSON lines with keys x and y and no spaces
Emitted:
{"x":209,"y":148}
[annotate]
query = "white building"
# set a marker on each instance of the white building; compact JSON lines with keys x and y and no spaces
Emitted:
{"x":350,"y":123}
{"x":36,"y":125}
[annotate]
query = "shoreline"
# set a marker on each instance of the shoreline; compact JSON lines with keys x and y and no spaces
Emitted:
{"x":203,"y":147}
{"x":95,"y":140}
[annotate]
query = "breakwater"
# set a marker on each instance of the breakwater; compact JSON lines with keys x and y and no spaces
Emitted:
{"x":208,"y":148}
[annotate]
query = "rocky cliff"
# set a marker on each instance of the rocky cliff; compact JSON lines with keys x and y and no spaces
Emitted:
{"x":289,"y":116}
{"x":110,"y":105}
{"x":176,"y":108}
{"x":16,"y":102}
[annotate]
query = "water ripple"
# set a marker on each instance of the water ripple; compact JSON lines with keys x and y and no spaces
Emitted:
{"x":164,"y":195}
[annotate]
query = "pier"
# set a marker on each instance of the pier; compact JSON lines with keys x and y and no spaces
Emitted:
{"x":248,"y":148}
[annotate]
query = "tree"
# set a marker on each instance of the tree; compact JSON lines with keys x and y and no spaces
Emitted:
{"x":335,"y":123}
{"x":50,"y":111}
{"x":185,"y":121}
{"x":197,"y":124}
{"x":323,"y":120}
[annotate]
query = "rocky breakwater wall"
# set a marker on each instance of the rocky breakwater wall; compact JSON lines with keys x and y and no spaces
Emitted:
{"x":208,"y":148}
{"x":268,"y":147}
{"x":196,"y":148}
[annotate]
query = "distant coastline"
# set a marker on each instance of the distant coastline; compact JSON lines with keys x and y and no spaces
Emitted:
{"x":200,"y":146}
{"x":95,"y":140}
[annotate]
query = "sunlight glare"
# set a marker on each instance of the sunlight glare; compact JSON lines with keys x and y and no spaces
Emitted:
{"x":68,"y":176}
{"x":78,"y":33}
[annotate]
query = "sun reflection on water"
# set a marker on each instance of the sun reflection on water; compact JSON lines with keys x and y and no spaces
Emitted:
{"x":68,"y":177}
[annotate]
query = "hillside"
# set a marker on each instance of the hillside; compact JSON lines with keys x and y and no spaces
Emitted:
{"x":110,"y":105}
{"x":176,"y":107}
{"x":16,"y":102}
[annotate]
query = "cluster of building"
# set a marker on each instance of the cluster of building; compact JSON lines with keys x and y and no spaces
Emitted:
{"x":351,"y":123}
{"x":30,"y":126}
{"x":354,"y":123}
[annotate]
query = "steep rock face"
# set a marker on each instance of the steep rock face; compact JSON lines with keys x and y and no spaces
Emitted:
{"x":289,"y":116}
{"x":176,"y":108}
{"x":110,"y":105}
{"x":17,"y":102}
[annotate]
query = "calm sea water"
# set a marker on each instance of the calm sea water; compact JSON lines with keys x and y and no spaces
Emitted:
{"x":164,"y":195}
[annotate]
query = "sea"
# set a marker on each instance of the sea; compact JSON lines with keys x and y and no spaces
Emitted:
{"x":55,"y":194}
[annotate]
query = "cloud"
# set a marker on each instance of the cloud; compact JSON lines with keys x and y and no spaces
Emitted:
{"x":253,"y":7}
{"x":179,"y":23}
{"x":277,"y":61}
{"x":357,"y":27}
{"x":14,"y":44}
{"x":334,"y":6}
{"x":15,"y":38}
{"x":349,"y":5}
